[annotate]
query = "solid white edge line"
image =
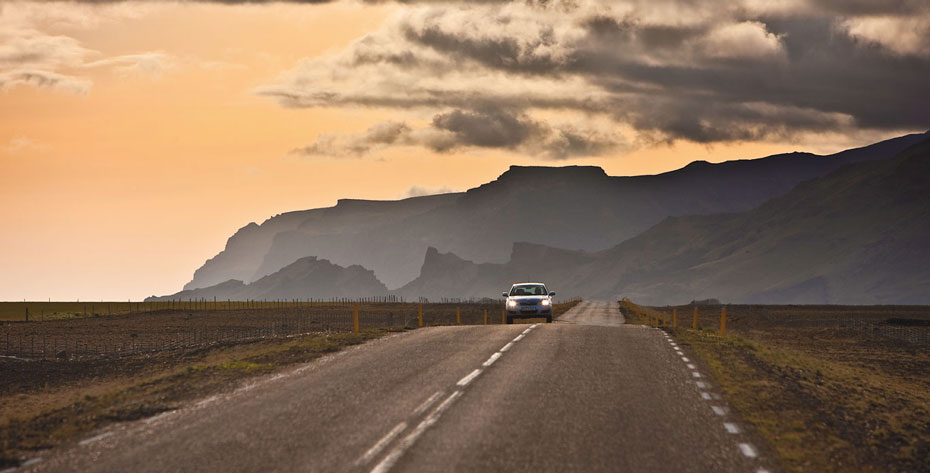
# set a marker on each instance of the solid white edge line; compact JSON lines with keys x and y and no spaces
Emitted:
{"x":506,"y":347}
{"x":385,"y":465}
{"x":427,"y":403}
{"x":380,"y":444}
{"x":492,"y":359}
{"x":518,"y":338}
{"x":748,"y":450}
{"x":468,"y":378}
{"x":731,"y":427}
{"x":95,"y":438}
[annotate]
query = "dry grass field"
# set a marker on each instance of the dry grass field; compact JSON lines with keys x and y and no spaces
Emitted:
{"x":832,"y":388}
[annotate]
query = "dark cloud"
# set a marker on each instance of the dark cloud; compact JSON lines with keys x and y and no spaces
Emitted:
{"x":715,"y":72}
{"x":488,"y":128}
{"x":458,"y":129}
{"x":378,"y":136}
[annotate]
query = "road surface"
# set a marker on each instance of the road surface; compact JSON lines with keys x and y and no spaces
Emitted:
{"x":584,"y":394}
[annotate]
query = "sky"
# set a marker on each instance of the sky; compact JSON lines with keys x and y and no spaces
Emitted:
{"x":137,"y":136}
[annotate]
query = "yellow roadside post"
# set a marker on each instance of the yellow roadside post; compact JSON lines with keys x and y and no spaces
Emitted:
{"x":694,"y":320}
{"x":674,"y":318}
{"x":458,"y":316}
{"x":355,"y":318}
{"x":723,"y":321}
{"x":420,"y":314}
{"x":485,"y":316}
{"x":503,"y":316}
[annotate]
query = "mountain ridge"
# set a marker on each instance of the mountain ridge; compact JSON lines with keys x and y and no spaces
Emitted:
{"x":858,"y":235}
{"x":586,"y":210}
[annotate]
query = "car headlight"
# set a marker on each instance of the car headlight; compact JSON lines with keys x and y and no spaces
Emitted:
{"x":546,"y":302}
{"x":511,"y":303}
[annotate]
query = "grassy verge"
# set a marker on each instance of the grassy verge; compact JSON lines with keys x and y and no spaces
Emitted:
{"x":48,"y":416}
{"x":817,"y":413}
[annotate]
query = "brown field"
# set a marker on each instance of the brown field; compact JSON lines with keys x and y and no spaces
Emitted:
{"x":831,"y":388}
{"x":97,"y":370}
{"x":172,"y":329}
{"x":41,"y":311}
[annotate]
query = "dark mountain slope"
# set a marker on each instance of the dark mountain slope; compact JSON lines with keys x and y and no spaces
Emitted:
{"x":571,"y":207}
{"x":307,"y":277}
{"x":858,"y":235}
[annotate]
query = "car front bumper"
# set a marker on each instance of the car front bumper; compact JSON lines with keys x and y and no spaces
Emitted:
{"x":530,"y":310}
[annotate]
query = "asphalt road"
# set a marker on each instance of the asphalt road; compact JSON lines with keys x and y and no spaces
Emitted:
{"x":585,"y":393}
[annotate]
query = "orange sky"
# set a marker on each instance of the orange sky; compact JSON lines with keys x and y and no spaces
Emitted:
{"x":122,"y":192}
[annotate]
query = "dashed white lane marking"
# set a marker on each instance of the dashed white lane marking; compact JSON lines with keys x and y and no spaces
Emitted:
{"x":701,"y":384}
{"x":748,"y":450}
{"x":519,"y":337}
{"x":377,"y":447}
{"x":506,"y":347}
{"x":695,"y":374}
{"x":467,"y":379}
{"x":719,"y":410}
{"x":411,"y":438}
{"x":705,"y":396}
{"x":731,"y":427}
{"x":492,"y":359}
{"x":30,"y":462}
{"x":691,"y":366}
{"x":685,"y":359}
{"x":95,"y":438}
{"x":527,"y":331}
{"x":762,"y":470}
{"x":427,"y":403}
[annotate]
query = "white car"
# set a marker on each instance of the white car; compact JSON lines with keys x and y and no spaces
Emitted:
{"x":528,"y":299}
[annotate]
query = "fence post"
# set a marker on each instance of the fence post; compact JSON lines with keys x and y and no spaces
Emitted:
{"x":420,"y":314}
{"x":674,"y":318}
{"x":458,"y":316}
{"x":694,"y":321}
{"x":355,"y":318}
{"x":723,"y":321}
{"x":485,"y":316}
{"x":27,"y":313}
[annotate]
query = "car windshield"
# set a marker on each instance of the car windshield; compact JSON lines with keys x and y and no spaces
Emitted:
{"x":528,"y":290}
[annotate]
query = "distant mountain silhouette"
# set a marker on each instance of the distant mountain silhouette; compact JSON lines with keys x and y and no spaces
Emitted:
{"x":579,"y":208}
{"x":307,"y":277}
{"x":860,"y":235}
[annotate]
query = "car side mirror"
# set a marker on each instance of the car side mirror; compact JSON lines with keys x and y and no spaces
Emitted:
{"x":504,"y":294}
{"x":552,"y":294}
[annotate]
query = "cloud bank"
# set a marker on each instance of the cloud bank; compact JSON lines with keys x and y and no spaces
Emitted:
{"x":30,"y":56}
{"x":493,"y":75}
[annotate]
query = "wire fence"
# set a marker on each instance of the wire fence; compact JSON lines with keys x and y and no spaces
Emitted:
{"x":167,"y":330}
{"x":908,"y":324}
